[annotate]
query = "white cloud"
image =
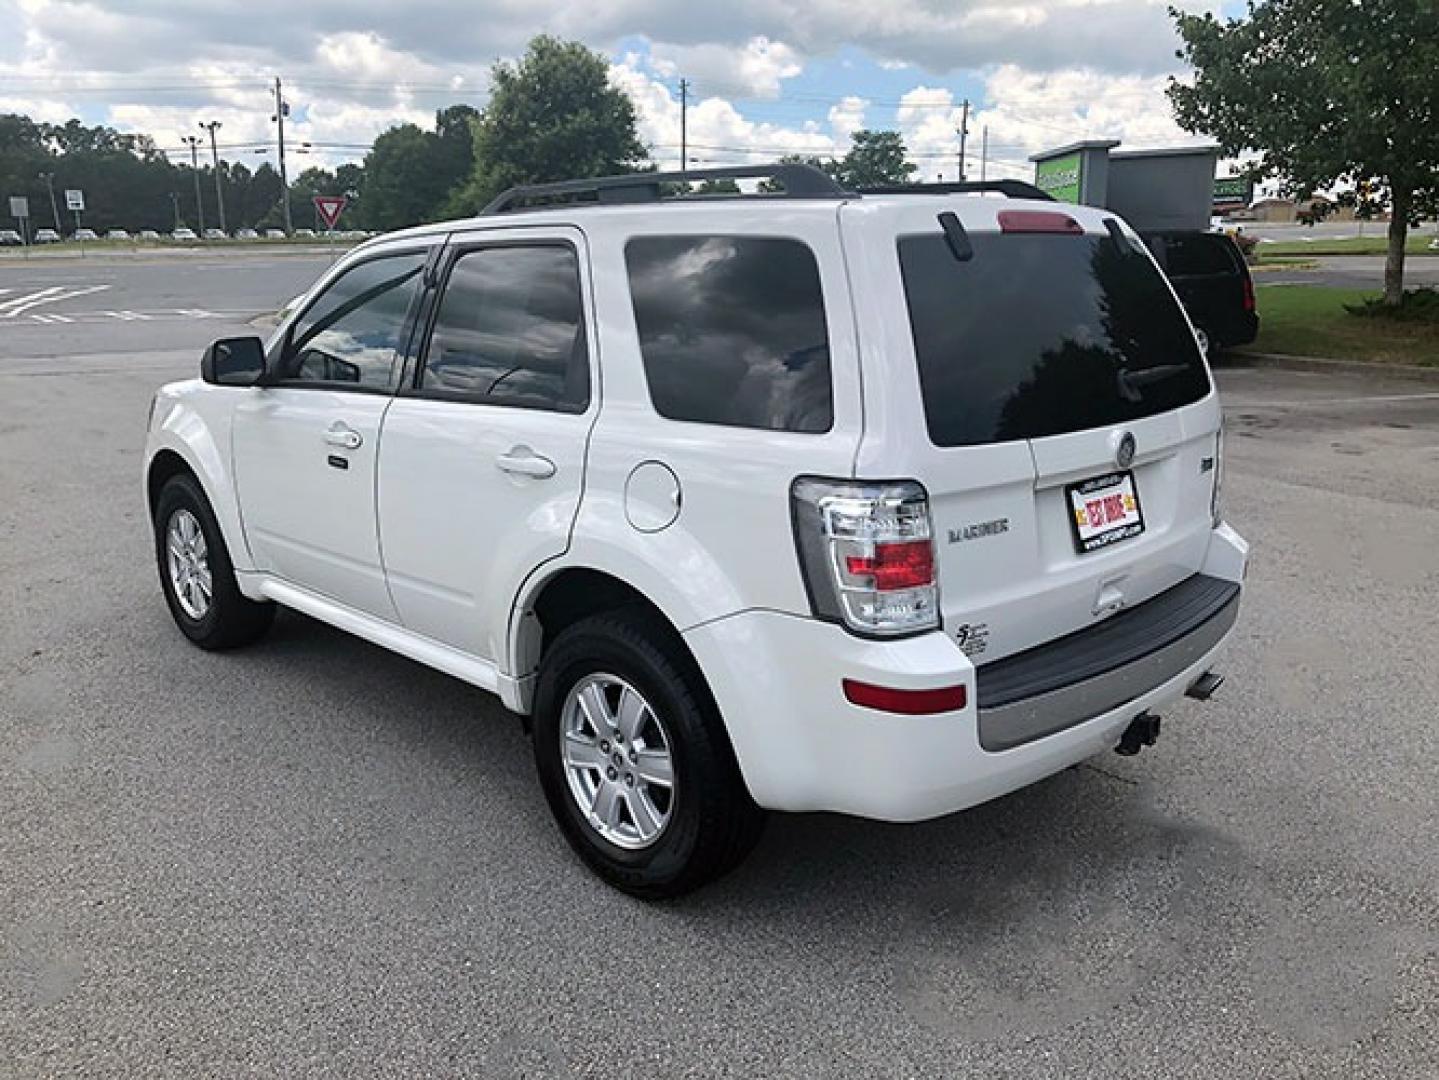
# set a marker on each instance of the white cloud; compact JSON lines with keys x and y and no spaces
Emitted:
{"x":1053,"y":69}
{"x":847,"y":117}
{"x":718,"y":133}
{"x":755,"y":69}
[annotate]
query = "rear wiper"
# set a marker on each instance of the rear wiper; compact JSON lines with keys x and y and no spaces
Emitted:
{"x":1131,"y":381}
{"x":956,"y":237}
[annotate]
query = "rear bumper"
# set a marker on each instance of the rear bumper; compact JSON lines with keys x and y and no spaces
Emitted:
{"x":1054,"y":686}
{"x":803,"y":747}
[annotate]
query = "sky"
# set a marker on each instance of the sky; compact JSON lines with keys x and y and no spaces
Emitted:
{"x":766,"y":77}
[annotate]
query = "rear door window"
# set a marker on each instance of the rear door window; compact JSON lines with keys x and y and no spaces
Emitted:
{"x":1043,"y":334}
{"x":510,"y":331}
{"x":732,"y":330}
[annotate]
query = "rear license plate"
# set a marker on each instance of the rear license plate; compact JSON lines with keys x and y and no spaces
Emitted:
{"x":1104,"y":511}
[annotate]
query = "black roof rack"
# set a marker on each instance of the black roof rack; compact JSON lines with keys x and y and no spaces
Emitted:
{"x":800,"y":182}
{"x":1012,"y":189}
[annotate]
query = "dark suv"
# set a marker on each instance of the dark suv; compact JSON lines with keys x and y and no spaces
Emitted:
{"x":1213,"y":283}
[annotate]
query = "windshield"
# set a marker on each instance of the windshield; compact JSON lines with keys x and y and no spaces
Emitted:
{"x":1042,"y":334}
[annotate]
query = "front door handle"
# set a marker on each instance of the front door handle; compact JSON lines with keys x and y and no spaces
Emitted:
{"x":522,"y":461}
{"x":342,"y":435}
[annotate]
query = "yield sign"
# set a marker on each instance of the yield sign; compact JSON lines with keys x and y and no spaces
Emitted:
{"x":329,"y":207}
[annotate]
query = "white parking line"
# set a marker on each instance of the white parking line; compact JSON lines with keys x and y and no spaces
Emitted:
{"x":53,"y":295}
{"x":6,"y":305}
{"x":1326,"y":402}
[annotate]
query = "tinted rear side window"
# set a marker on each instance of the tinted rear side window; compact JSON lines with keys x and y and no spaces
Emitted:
{"x":1198,"y":254}
{"x":732,"y":330}
{"x":1043,"y":334}
{"x":510,"y":330}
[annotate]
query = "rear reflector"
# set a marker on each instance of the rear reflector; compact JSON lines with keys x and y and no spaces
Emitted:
{"x":1038,"y":221}
{"x":906,"y":702}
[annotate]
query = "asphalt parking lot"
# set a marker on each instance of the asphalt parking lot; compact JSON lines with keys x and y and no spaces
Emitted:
{"x":314,"y":857}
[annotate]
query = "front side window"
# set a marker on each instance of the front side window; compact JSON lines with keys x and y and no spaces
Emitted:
{"x":353,"y":334}
{"x":510,"y":330}
{"x":732,"y":330}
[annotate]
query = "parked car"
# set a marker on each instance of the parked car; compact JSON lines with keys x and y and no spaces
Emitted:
{"x":84,"y":235}
{"x":883,"y":505}
{"x":183,"y":233}
{"x":46,"y":236}
{"x":308,"y":234}
{"x":246,"y":234}
{"x":117,"y":234}
{"x":274,"y":234}
{"x":1214,"y":285}
{"x":216,"y":234}
{"x":11,"y":238}
{"x":149,"y":234}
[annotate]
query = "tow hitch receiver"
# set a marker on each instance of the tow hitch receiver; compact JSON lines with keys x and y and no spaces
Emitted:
{"x":1142,"y":731}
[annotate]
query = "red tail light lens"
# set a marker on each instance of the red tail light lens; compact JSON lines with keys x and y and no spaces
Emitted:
{"x":906,"y":702}
{"x":1249,"y":304}
{"x":896,"y":566}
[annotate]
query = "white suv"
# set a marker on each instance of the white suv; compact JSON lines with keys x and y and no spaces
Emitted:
{"x":884,"y":503}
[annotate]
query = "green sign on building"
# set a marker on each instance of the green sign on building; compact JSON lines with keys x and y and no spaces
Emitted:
{"x":1233,"y":189}
{"x":1061,"y":177}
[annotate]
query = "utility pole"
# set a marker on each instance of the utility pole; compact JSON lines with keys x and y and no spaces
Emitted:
{"x":212,"y":127}
{"x":282,"y":110}
{"x":49,"y":179}
{"x":175,"y":202}
{"x":684,"y":116}
{"x":984,"y":156}
{"x":963,"y":138}
{"x":193,"y":142}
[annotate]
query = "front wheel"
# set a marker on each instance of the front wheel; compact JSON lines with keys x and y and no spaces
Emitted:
{"x":196,"y":573}
{"x":634,"y":760}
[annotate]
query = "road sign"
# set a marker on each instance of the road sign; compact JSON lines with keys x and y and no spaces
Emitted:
{"x":74,"y":199}
{"x":330,"y":207}
{"x":19,"y":206}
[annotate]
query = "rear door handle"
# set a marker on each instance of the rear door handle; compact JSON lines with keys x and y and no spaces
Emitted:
{"x":342,"y":435}
{"x":522,"y":461}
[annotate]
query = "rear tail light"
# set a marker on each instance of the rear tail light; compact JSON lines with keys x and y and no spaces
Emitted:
{"x":1248,"y":294}
{"x":867,"y":554}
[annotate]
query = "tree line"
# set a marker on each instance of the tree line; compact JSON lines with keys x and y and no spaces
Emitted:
{"x":552,"y":115}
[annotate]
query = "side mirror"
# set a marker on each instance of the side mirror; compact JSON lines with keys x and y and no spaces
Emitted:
{"x":234,"y":362}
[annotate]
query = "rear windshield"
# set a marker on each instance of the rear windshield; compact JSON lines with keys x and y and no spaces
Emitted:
{"x":1042,"y":334}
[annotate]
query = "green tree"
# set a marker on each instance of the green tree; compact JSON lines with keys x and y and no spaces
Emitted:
{"x":875,"y":159}
{"x":551,"y":116}
{"x":1328,"y":93}
{"x":400,"y":187}
{"x":722,"y":186}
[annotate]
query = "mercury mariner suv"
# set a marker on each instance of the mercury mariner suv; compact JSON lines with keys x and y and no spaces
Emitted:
{"x":881,"y":503}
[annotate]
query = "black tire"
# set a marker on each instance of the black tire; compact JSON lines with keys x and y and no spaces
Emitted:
{"x":231,"y":620}
{"x":713,"y":822}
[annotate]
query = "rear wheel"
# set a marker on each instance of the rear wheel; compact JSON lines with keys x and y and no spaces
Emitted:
{"x":196,"y":574}
{"x":634,"y":761}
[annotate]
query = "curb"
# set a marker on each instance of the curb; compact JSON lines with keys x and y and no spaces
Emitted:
{"x":1245,"y":358}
